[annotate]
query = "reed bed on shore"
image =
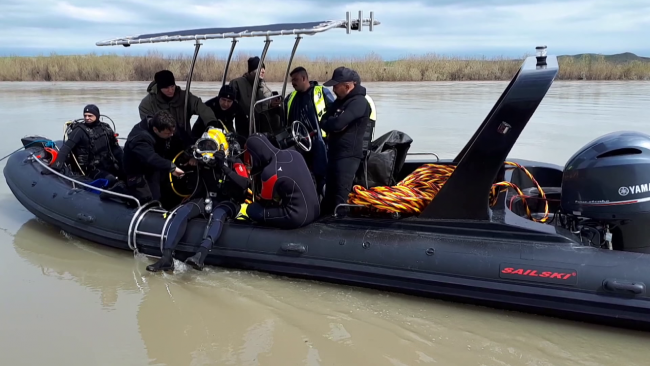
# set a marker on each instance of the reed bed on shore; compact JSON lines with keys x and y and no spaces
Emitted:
{"x":431,"y":67}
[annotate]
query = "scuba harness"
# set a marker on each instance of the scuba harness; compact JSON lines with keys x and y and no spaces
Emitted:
{"x":86,"y":158}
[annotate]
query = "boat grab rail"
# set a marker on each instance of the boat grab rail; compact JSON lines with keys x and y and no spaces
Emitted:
{"x":33,"y":157}
{"x":425,"y":153}
{"x":267,"y":99}
{"x":137,"y":218}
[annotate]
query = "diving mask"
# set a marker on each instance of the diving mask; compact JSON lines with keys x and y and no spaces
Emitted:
{"x":213,"y":140}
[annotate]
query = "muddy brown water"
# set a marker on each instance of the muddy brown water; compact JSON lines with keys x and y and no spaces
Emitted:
{"x":65,"y":301}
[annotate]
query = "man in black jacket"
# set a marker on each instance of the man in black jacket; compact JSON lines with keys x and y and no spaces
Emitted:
{"x":228,"y":112}
{"x":345,"y":123}
{"x":143,"y":156}
{"x":94,"y":146}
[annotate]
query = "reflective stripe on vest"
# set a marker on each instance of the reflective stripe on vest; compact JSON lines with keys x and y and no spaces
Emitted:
{"x":319,"y":102}
{"x":373,"y":109}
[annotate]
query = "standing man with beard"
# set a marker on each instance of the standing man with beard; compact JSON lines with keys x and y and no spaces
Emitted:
{"x":308,"y":104}
{"x":164,"y":94}
{"x":345,"y":123}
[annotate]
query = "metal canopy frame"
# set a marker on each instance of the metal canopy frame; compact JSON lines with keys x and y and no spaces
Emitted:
{"x":235,"y":33}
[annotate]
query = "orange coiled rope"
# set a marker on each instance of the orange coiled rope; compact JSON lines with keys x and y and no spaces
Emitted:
{"x":417,"y":190}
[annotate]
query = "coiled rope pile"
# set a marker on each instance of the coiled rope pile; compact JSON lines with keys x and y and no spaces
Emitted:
{"x":417,"y":190}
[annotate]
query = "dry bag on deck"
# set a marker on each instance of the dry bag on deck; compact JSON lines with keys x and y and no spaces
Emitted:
{"x":384,"y":160}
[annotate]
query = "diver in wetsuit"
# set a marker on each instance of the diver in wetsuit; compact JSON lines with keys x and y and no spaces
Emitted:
{"x":288,"y":197}
{"x":221,"y":187}
{"x":94,"y":146}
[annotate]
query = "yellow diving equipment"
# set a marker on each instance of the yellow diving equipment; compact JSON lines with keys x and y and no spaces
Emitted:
{"x":212,"y":140}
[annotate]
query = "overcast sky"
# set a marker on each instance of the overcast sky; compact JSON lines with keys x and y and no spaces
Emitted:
{"x":453,"y":27}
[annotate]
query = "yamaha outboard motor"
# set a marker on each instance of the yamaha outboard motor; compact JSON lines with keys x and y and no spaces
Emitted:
{"x":606,"y":191}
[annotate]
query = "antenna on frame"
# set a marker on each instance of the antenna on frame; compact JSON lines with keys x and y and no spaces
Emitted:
{"x":358,"y":24}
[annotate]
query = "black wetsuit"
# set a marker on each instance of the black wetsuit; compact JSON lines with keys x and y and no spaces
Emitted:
{"x":289,"y":198}
{"x":345,"y":123}
{"x":95,"y":149}
{"x":226,"y":190}
{"x":144,"y":161}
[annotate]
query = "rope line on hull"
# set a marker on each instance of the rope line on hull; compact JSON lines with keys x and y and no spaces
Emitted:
{"x":413,"y":193}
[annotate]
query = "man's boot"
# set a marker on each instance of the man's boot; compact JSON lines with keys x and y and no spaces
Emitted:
{"x":196,"y":261}
{"x":166,"y":263}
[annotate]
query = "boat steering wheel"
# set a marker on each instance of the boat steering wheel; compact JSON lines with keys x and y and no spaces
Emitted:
{"x":300,"y":135}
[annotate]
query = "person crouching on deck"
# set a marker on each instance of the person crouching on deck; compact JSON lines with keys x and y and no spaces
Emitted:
{"x":144,"y":153}
{"x":288,"y":197}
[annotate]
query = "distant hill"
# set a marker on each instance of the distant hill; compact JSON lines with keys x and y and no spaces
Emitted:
{"x":619,"y":58}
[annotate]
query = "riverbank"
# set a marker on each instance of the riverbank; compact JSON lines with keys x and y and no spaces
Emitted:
{"x":371,"y":68}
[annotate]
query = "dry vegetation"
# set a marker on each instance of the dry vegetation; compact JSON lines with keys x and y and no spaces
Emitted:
{"x":433,"y":67}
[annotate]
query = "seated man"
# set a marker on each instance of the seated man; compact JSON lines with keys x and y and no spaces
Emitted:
{"x":226,"y":110}
{"x":223,"y":183}
{"x":143,"y":160}
{"x":288,"y":197}
{"x":94,"y":147}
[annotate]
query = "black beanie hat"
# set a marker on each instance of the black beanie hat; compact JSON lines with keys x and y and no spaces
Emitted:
{"x":164,"y":79}
{"x":253,"y":63}
{"x":227,"y":92}
{"x":92,"y":109}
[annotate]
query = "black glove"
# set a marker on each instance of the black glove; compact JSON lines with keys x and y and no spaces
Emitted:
{"x":219,"y":157}
{"x":57,"y":166}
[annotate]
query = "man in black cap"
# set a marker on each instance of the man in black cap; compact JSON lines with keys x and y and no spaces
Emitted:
{"x":228,"y":112}
{"x":345,"y":123}
{"x":94,"y":146}
{"x":164,"y":94}
{"x":243,"y":88}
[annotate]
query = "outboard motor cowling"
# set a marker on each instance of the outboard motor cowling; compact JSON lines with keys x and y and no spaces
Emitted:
{"x":608,"y":183}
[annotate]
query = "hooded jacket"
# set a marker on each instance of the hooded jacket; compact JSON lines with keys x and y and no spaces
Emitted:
{"x":286,"y":181}
{"x":144,"y":151}
{"x":345,"y":123}
{"x":243,"y":87}
{"x":154,"y":101}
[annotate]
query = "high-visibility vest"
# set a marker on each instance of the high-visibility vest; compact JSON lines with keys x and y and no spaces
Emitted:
{"x":319,"y":101}
{"x":373,"y":109}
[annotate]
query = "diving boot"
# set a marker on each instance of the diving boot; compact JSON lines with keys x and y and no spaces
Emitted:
{"x":166,"y":263}
{"x":196,"y":261}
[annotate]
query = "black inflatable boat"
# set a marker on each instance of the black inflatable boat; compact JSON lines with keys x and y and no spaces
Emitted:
{"x":587,"y":262}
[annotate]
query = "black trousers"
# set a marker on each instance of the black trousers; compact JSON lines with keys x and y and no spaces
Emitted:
{"x":144,"y":188}
{"x":196,"y":208}
{"x":339,"y":181}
